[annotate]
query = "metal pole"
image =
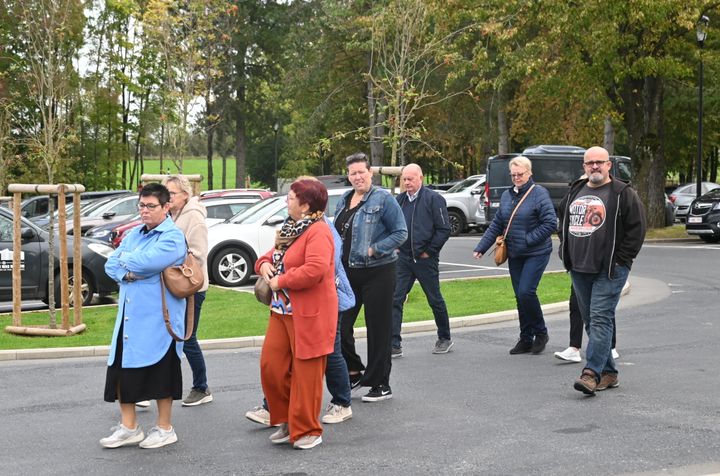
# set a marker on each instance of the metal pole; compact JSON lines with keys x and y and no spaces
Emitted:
{"x":700,"y":129}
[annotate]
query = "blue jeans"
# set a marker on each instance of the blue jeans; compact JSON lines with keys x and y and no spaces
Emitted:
{"x":336,"y":373}
{"x":426,"y":271}
{"x":525,"y":274}
{"x":598,"y":297}
{"x":192,"y":349}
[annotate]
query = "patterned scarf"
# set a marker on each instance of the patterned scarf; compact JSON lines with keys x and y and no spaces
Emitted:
{"x":284,"y":237}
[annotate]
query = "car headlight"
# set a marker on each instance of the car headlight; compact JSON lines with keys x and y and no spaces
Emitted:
{"x":716,"y":206}
{"x":98,"y":234}
{"x":103,"y":250}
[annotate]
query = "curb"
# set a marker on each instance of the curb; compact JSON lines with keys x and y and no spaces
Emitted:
{"x":257,"y":341}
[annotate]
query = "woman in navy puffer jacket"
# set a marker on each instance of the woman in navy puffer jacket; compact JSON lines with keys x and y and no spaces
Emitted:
{"x":529,"y":247}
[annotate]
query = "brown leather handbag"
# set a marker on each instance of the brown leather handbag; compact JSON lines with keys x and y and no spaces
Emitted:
{"x":183,"y":282}
{"x":500,"y":246}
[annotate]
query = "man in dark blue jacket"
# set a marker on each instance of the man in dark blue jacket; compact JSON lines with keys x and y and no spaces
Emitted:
{"x":428,"y":227}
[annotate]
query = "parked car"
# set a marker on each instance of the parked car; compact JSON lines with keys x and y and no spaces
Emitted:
{"x":669,"y":211}
{"x":465,"y":204}
{"x":703,"y":217}
{"x":683,"y":196}
{"x":118,"y":233}
{"x":554,"y":167}
{"x":104,"y":232}
{"x":234,"y":245}
{"x":443,"y":186}
{"x":256,"y":193}
{"x":35,"y":255}
{"x":39,"y":205}
{"x":221,"y":209}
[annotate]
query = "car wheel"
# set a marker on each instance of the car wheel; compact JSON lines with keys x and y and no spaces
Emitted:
{"x":87,"y":290}
{"x":457,"y":222}
{"x":710,"y":238}
{"x":231,"y":267}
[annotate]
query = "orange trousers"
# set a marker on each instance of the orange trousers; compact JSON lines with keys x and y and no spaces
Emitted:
{"x":293,"y":387}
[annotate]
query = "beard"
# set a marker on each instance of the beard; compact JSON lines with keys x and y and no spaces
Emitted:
{"x":596,"y":178}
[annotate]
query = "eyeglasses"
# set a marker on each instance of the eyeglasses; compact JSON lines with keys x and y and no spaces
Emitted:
{"x":594,"y":163}
{"x":518,"y":175}
{"x":149,"y":206}
{"x":172,"y":194}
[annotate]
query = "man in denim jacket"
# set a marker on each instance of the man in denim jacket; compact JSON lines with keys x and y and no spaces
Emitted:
{"x":372,"y":227}
{"x":428,"y":225}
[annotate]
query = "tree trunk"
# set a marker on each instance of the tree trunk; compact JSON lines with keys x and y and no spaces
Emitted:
{"x":503,"y":130}
{"x":643,"y":99}
{"x":240,"y":129}
{"x":376,"y":119}
{"x":609,"y":136}
{"x":210,"y":131}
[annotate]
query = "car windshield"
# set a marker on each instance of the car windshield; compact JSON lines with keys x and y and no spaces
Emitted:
{"x":256,"y":212}
{"x":464,"y":185}
{"x":713,"y":194}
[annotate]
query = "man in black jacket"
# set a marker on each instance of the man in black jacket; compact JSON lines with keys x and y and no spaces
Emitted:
{"x":428,"y":227}
{"x":601,"y":233}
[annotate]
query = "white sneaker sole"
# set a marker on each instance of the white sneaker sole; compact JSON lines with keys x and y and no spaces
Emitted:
{"x":332,"y":419}
{"x":205,"y":399}
{"x":435,"y":351}
{"x":168,"y":441}
{"x":376,"y":399}
{"x":130,"y":441}
{"x":566,"y":359}
{"x":143,"y":404}
{"x":256,"y":419}
{"x":308,"y":446}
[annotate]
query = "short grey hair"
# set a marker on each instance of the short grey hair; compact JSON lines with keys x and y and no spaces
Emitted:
{"x":521,"y":161}
{"x":181,"y":182}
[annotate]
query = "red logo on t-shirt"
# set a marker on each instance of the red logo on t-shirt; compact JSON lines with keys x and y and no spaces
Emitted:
{"x":587,"y":214}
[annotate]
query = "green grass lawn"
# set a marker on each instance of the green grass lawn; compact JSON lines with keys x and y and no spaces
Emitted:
{"x":196,"y":165}
{"x":228,"y":313}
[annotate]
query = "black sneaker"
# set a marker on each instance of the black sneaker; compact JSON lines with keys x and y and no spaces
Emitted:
{"x":355,"y":380}
{"x":538,"y":344}
{"x":396,"y":352}
{"x":378,"y":393}
{"x":521,"y":347}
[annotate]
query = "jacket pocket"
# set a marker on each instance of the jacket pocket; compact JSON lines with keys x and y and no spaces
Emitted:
{"x":371,"y":215}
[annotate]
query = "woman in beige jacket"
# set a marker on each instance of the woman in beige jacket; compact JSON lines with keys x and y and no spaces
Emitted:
{"x":189,"y":215}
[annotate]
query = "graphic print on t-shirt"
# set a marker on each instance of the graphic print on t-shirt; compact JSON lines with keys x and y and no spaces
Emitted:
{"x":587,"y":215}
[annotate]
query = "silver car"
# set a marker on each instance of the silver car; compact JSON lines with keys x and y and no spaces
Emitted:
{"x":465,"y":204}
{"x":683,"y":196}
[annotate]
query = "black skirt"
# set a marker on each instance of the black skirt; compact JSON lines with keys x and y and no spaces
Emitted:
{"x":160,"y":380}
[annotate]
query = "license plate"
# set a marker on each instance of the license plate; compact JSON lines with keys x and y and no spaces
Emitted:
{"x":694,"y":219}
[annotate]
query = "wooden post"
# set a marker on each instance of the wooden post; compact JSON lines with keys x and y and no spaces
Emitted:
{"x":194,"y":179}
{"x":77,"y":261}
{"x":62,"y":236}
{"x":16,"y":272}
{"x":61,"y":190}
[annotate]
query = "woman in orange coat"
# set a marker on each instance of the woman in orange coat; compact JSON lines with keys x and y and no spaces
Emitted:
{"x":303,"y":317}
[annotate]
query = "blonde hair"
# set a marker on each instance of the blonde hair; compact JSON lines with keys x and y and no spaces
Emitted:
{"x":181,"y":182}
{"x":521,"y":161}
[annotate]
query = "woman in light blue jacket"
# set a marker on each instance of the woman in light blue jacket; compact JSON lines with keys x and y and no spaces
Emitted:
{"x":144,"y":361}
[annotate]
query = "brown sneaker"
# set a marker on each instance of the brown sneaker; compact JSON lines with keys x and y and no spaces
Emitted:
{"x":586,"y":383}
{"x":607,"y":380}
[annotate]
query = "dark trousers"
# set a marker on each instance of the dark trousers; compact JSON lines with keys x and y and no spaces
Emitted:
{"x":525,"y":273}
{"x":192,"y":349}
{"x":336,"y":373}
{"x":373,"y":288}
{"x":577,"y":325}
{"x":426,"y":271}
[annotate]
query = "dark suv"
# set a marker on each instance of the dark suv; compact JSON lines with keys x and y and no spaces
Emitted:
{"x":554,"y":167}
{"x":703,"y":217}
{"x":34,"y":263}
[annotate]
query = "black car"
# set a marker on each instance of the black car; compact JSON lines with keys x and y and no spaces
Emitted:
{"x":35,"y":263}
{"x":703,"y":217}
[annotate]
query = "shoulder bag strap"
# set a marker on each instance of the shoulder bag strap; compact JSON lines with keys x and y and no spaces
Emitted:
{"x":189,"y":308}
{"x":507,"y":228}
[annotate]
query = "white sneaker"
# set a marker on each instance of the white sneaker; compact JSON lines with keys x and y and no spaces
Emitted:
{"x":571,"y":354}
{"x":615,"y":354}
{"x":307,"y":442}
{"x":337,"y":414}
{"x":157,"y":438}
{"x":142,"y":403}
{"x":123,"y":436}
{"x":259,"y":415}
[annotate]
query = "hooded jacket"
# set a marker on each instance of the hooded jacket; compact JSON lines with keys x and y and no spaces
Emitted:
{"x":627,"y":228}
{"x":191,"y":220}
